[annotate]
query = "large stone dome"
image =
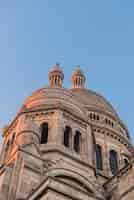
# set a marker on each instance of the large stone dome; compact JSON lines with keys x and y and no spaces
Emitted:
{"x":78,"y":96}
{"x":93,"y":100}
{"x":69,"y":140}
{"x":86,"y":98}
{"x":79,"y":101}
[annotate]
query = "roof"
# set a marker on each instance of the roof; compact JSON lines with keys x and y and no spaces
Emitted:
{"x":94,"y":100}
{"x":86,"y":98}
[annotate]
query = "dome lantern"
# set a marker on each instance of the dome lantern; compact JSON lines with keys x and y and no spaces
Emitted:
{"x":56,"y":76}
{"x":78,"y":78}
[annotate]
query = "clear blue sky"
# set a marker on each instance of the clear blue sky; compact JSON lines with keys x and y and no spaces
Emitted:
{"x":96,"y":34}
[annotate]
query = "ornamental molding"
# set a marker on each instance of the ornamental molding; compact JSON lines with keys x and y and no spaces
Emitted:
{"x":74,"y":119}
{"x":112,"y":134}
{"x":117,"y":124}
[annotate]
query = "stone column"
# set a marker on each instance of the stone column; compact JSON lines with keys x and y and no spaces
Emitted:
{"x":3,"y":154}
{"x":15,"y":178}
{"x":90,"y":146}
{"x":105,"y":156}
{"x":83,"y":150}
{"x":72,"y":139}
{"x":57,"y":129}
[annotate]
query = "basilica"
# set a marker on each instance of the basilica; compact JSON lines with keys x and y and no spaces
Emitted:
{"x":66,"y":144}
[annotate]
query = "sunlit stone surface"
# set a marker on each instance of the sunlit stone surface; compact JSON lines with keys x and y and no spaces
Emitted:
{"x":66,"y":144}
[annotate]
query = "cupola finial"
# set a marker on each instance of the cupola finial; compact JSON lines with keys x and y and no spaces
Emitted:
{"x":56,"y":76}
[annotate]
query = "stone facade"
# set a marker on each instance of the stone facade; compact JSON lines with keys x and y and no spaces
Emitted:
{"x":66,"y":144}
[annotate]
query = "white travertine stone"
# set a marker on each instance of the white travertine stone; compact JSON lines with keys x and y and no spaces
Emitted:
{"x":30,"y":170}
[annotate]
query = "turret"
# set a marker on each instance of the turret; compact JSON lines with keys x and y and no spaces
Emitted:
{"x":78,"y":79}
{"x":56,"y":76}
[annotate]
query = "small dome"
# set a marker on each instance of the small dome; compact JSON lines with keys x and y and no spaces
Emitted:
{"x":78,"y":72}
{"x":78,"y":78}
{"x":56,"y":76}
{"x":56,"y":68}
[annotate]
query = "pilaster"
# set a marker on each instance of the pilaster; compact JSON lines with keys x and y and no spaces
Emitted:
{"x":56,"y":134}
{"x":15,"y":178}
{"x":90,"y":148}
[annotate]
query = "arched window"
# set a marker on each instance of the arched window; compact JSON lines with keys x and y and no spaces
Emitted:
{"x":77,"y":141}
{"x":98,"y":118}
{"x":94,"y":116}
{"x":109,"y":197}
{"x":44,"y":133}
{"x":67,"y":136}
{"x":99,"y":161}
{"x":126,"y":162}
{"x":113,"y":162}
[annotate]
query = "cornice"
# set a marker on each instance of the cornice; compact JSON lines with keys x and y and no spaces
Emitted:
{"x":114,"y":135}
{"x":42,"y":111}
